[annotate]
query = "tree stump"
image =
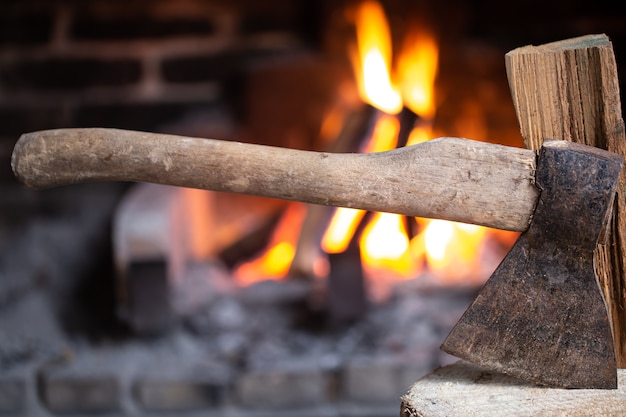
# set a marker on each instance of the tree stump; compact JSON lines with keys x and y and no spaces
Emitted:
{"x":465,"y":390}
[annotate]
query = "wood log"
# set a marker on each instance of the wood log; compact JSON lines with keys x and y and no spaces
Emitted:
{"x":569,"y":90}
{"x":466,"y":390}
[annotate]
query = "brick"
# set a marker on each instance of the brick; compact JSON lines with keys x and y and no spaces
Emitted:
{"x":380,"y":380}
{"x":278,"y":387}
{"x":303,"y":20}
{"x":92,"y":27}
{"x":138,"y":116}
{"x":84,"y":382}
{"x":369,"y":382}
{"x":20,"y":119}
{"x":25,"y":28}
{"x":202,"y":67}
{"x":181,"y":383}
{"x":411,"y":372}
{"x":80,"y":393}
{"x":12,"y":395}
{"x":18,"y":389}
{"x":176,"y":395}
{"x":69,"y":73}
{"x":266,"y":22}
{"x":220,"y":66}
{"x":277,"y":116}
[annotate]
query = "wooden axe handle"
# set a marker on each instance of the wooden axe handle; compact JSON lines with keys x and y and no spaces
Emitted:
{"x":446,"y":178}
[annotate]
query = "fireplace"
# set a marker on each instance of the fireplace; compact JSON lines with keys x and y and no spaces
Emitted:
{"x":134,"y":298}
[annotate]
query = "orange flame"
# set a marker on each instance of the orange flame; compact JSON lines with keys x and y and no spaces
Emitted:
{"x":385,"y":246}
{"x":274,"y":263}
{"x":346,"y":220}
{"x":451,"y":251}
{"x":372,"y":67}
{"x":341,"y":229}
{"x":385,"y":135}
{"x":420,"y":134}
{"x":417,"y":71}
{"x":384,"y":243}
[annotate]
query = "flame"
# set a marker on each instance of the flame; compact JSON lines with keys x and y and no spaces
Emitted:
{"x":341,"y":229}
{"x":420,"y":134}
{"x":417,"y":71}
{"x":346,"y":220}
{"x":384,"y":136}
{"x":453,"y":249}
{"x":450,"y":251}
{"x":372,"y":67}
{"x":274,"y":262}
{"x":385,"y":245}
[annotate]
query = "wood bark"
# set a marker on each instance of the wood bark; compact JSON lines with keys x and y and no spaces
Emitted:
{"x":465,"y":390}
{"x":446,"y":178}
{"x":569,"y":90}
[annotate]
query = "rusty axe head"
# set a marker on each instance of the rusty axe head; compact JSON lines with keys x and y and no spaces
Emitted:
{"x":541,"y":316}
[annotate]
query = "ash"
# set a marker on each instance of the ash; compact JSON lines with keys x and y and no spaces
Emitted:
{"x":272,"y":322}
{"x":58,"y":326}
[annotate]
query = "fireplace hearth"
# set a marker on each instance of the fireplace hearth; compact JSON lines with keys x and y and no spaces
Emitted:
{"x":93,"y":322}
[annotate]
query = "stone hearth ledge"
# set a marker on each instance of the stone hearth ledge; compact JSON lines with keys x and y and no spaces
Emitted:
{"x":463,"y":389}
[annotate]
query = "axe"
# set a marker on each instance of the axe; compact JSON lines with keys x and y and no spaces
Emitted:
{"x":541,"y":316}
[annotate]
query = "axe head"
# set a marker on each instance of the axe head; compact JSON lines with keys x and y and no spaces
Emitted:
{"x":541,"y":316}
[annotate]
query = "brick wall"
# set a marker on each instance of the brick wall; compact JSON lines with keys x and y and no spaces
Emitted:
{"x":256,"y":70}
{"x":178,"y":66}
{"x":143,"y":65}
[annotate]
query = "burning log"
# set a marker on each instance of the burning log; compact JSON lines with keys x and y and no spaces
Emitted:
{"x":358,"y":124}
{"x":346,"y":289}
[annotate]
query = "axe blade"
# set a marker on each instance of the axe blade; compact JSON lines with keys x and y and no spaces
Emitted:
{"x":541,"y":316}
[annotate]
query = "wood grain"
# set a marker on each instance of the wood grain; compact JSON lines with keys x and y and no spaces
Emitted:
{"x":447,"y":178}
{"x":569,"y":90}
{"x":466,"y":390}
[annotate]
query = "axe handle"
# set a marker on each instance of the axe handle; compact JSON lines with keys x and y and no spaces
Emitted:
{"x":446,"y":178}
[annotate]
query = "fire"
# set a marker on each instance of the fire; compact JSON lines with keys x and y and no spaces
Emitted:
{"x":385,"y":246}
{"x":391,"y":245}
{"x":417,"y":72}
{"x":451,"y":251}
{"x":453,"y":244}
{"x":384,"y":136}
{"x":274,"y":263}
{"x":374,"y":58}
{"x":341,"y":229}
